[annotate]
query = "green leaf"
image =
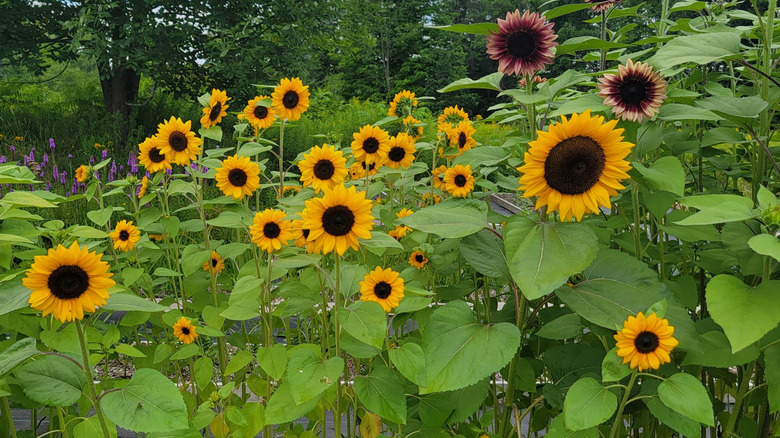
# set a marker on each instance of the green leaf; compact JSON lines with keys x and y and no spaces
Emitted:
{"x":380,"y":240}
{"x":165,"y":272}
{"x":683,"y":393}
{"x":17,"y":353}
{"x":13,"y":296}
{"x":255,"y":415}
{"x":193,"y":259}
{"x":716,"y":209}
{"x":90,"y":428}
{"x":238,"y":361}
{"x":251,"y":149}
{"x":669,"y":417}
{"x":612,"y":367}
{"x":558,"y":430}
{"x":204,"y":371}
{"x":129,"y":350}
{"x":460,"y":352}
{"x":366,"y":321}
{"x":698,"y":49}
{"x":665,"y":174}
{"x":309,"y":376}
{"x":766,"y":244}
{"x":476,"y":29}
{"x":772,"y":369}
{"x":186,"y":352}
{"x":544,"y":255}
{"x":409,"y":360}
{"x":715,"y":351}
{"x":283,"y":409}
{"x":87,"y":232}
{"x":273,"y":360}
{"x":214,"y":133}
{"x":100,"y":217}
{"x":564,"y":10}
{"x":26,"y":199}
{"x":450,"y":219}
{"x":489,"y":82}
{"x":587,"y":404}
{"x":678,"y":111}
{"x":734,"y":108}
{"x":745,"y":313}
{"x":564,"y":327}
{"x":485,"y":252}
{"x":127,"y":302}
{"x":577,"y":44}
{"x":382,"y":393}
{"x":482,"y":156}
{"x":52,"y":380}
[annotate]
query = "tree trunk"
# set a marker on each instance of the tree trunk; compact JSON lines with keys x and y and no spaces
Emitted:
{"x":120,"y":89}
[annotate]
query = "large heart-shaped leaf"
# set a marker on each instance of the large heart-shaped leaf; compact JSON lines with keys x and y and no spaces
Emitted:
{"x":382,"y":393}
{"x":588,"y":404}
{"x":365,"y":321}
{"x":453,"y":219}
{"x":684,"y":393}
{"x":310,"y":376}
{"x":52,"y":380}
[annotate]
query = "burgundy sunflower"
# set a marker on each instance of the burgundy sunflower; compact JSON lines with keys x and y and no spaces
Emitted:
{"x":602,"y":5}
{"x":635,"y":93}
{"x":523,"y":44}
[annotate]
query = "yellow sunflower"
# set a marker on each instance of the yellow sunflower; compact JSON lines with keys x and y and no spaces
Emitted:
{"x":430,"y":198}
{"x":290,"y":99}
{"x":238,"y":176}
{"x":385,"y":287}
{"x":125,"y":236}
{"x":156,"y":237}
{"x":152,"y":158}
{"x":300,"y":235}
{"x":214,"y":113}
{"x":261,"y":117}
{"x":403,"y":104}
{"x":185,"y":331}
{"x":400,"y":151}
{"x":394,"y":234}
{"x":368,"y":143}
{"x":215,"y":265}
{"x":459,"y":181}
{"x":401,"y":230}
{"x":576,"y":165}
{"x":461,"y":137}
{"x":645,"y":342}
{"x":336,"y":220}
{"x":270,"y":230}
{"x":323,"y":167}
{"x":418,"y":259}
{"x":175,"y":137}
{"x":67,"y":282}
{"x":412,"y":127}
{"x":142,"y":188}
{"x":451,"y":116}
{"x":82,"y":173}
{"x":437,"y":175}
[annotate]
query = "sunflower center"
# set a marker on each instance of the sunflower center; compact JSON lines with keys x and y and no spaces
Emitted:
{"x":124,"y":235}
{"x":370,"y":166}
{"x":460,"y":180}
{"x":646,"y":342}
{"x":419,"y":258}
{"x":462,"y":140}
{"x":216,"y":110}
{"x":521,"y":44}
{"x":371,"y":145}
{"x":324,"y":169}
{"x":271,"y":230}
{"x":633,"y":92}
{"x":178,"y":141}
{"x":574,"y":165}
{"x":237,"y":177}
{"x":185,"y":330}
{"x":396,"y":154}
{"x":261,"y":112}
{"x":382,"y":290}
{"x":338,"y":220}
{"x":155,"y":156}
{"x":68,"y":282}
{"x":214,"y":263}
{"x":305,"y":233}
{"x":290,"y":99}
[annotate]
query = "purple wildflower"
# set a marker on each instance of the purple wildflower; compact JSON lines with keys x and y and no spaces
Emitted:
{"x":26,"y":160}
{"x":104,"y":155}
{"x":112,"y":172}
{"x":75,"y":188}
{"x":45,"y":159}
{"x":32,"y":154}
{"x":48,"y":186}
{"x":55,"y":172}
{"x":91,"y":160}
{"x":51,"y":144}
{"x":64,"y":177}
{"x":2,"y":159}
{"x":70,"y":156}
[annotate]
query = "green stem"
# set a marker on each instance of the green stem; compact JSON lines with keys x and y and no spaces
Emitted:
{"x":5,"y":408}
{"x":281,"y":160}
{"x":603,"y":38}
{"x":741,"y":391}
{"x":337,"y":330}
{"x":90,"y":381}
{"x":635,"y":226}
{"x":623,"y":403}
{"x":521,"y":308}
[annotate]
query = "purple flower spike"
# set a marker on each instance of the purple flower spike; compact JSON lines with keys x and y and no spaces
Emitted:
{"x":45,"y":159}
{"x":48,"y":186}
{"x":2,"y":159}
{"x":121,"y":169}
{"x":26,"y":160}
{"x":55,"y":172}
{"x":105,"y":154}
{"x":91,"y":159}
{"x":51,"y":144}
{"x":32,"y":154}
{"x":70,"y":156}
{"x":64,"y":177}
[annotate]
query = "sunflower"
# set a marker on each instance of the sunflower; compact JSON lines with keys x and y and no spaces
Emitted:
{"x":437,"y":174}
{"x":270,"y":231}
{"x":536,"y":80}
{"x":290,"y":99}
{"x":418,"y":259}
{"x":645,"y":342}
{"x":185,"y":331}
{"x":405,"y":101}
{"x":337,"y":219}
{"x":412,"y":128}
{"x":215,"y":264}
{"x":602,"y":5}
{"x":125,"y":236}
{"x":369,"y":143}
{"x":523,"y":44}
{"x":358,"y":170}
{"x":400,"y":151}
{"x":82,"y":173}
{"x":261,"y":117}
{"x":385,"y":287}
{"x":323,"y":167}
{"x":394,"y":234}
{"x":300,"y":235}
{"x":459,"y":181}
{"x":238,"y":176}
{"x":152,"y":158}
{"x":461,"y":137}
{"x":142,"y":188}
{"x":430,"y":198}
{"x":174,"y":137}
{"x":635,"y":93}
{"x":68,"y":282}
{"x":214,"y":113}
{"x":576,"y":165}
{"x":452,"y":115}
{"x":401,"y":230}
{"x":156,"y":237}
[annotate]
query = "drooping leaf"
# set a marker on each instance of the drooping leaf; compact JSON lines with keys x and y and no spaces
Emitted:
{"x":409,"y":359}
{"x":683,"y":393}
{"x":52,"y":380}
{"x":366,"y":321}
{"x":282,"y":407}
{"x":382,"y":393}
{"x":564,"y":327}
{"x":766,"y":244}
{"x":588,"y":404}
{"x":454,"y":219}
{"x":17,"y":353}
{"x":697,"y":49}
{"x":489,"y":82}
{"x":485,"y":252}
{"x":309,"y":376}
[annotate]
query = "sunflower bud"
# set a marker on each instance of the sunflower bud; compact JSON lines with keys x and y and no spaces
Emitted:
{"x":771,"y":216}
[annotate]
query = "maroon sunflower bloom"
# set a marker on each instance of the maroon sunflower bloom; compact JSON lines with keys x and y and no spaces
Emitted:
{"x":602,"y":5}
{"x":523,"y":43}
{"x":635,"y":92}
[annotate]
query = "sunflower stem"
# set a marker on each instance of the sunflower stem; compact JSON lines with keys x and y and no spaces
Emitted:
{"x":5,"y":409}
{"x":337,"y":329}
{"x":90,"y":381}
{"x":741,"y":391}
{"x":281,"y":160}
{"x":623,"y":403}
{"x":521,"y":308}
{"x":635,"y":228}
{"x":603,"y":38}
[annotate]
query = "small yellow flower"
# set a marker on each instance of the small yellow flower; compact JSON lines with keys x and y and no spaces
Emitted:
{"x":185,"y":331}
